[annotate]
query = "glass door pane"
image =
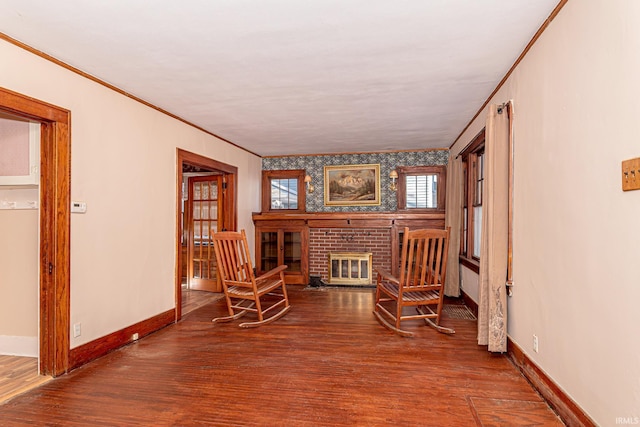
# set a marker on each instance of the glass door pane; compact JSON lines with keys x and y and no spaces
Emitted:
{"x":268,"y":250}
{"x":204,"y":222}
{"x":293,"y":250}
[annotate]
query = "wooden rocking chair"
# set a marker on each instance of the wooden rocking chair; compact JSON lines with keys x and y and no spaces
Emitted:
{"x":242,"y":290}
{"x":423,"y":268}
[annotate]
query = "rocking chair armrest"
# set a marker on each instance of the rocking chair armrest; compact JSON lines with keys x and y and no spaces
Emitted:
{"x":272,"y":272}
{"x":385,"y":275}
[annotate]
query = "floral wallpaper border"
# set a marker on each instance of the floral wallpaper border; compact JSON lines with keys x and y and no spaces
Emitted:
{"x":314,"y":166}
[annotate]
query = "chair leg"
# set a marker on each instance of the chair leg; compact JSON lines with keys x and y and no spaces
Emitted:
{"x":398,"y":314}
{"x":259,"y":309}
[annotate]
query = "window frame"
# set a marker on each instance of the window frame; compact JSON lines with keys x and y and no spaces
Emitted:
{"x":471,"y":199}
{"x":268,"y":175}
{"x":439,"y":170}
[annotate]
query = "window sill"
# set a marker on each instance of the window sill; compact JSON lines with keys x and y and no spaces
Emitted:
{"x":471,"y":264}
{"x":420,"y":210}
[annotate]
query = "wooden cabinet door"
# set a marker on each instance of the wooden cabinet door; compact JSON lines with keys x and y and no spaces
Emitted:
{"x":276,"y":246}
{"x":204,"y":207}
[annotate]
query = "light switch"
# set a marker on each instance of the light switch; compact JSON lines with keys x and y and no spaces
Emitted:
{"x":631,"y":174}
{"x":78,"y":207}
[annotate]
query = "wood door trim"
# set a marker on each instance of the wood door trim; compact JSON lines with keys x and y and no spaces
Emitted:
{"x":231,"y":211}
{"x":55,"y":225}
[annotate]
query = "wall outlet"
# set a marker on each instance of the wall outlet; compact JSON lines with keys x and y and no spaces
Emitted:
{"x":77,"y":330}
{"x":535,"y":343}
{"x":134,"y":337}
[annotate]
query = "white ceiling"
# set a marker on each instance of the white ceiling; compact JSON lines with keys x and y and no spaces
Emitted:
{"x":282,"y":77}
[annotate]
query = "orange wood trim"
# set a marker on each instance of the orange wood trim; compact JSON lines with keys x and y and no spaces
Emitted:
{"x":570,"y":413}
{"x":471,"y":264}
{"x":32,"y":108}
{"x":178,"y":263}
{"x":526,"y":50}
{"x":114,"y":88}
{"x":62,"y":181}
{"x":231,"y":202}
{"x":440,"y":171}
{"x":99,"y":347}
{"x":205,"y":162}
{"x":351,"y":220}
{"x":509,"y":112}
{"x":350,"y":223}
{"x":347,"y":216}
{"x":268,"y":175}
{"x":55,"y":224}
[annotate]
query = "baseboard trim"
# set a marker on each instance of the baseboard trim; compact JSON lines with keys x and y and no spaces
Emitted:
{"x":99,"y":347}
{"x":570,"y":413}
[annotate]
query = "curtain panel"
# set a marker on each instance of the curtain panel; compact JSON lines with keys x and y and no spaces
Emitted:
{"x":453,"y":218}
{"x":492,"y":307}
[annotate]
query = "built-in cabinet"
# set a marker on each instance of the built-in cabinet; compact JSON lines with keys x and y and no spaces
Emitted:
{"x":283,"y":243}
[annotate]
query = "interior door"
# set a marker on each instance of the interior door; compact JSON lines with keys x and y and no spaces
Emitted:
{"x":205,"y":212}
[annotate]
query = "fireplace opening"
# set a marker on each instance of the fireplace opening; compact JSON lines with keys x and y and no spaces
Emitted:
{"x":350,"y":268}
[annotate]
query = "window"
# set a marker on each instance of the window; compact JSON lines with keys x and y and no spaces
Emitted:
{"x":284,"y":193}
{"x":421,"y":187}
{"x":283,"y":190}
{"x":473,"y":166}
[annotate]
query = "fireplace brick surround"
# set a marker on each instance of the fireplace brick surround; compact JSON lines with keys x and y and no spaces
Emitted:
{"x":323,"y":241}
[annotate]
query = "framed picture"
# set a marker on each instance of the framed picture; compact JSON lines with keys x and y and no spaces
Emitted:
{"x":352,"y":185}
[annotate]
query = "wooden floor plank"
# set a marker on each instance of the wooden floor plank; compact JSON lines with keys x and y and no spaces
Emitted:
{"x":17,"y":375}
{"x":326,"y":363}
{"x":501,"y":412}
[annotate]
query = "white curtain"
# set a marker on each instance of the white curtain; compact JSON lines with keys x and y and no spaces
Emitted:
{"x":455,"y":193}
{"x":492,"y":308}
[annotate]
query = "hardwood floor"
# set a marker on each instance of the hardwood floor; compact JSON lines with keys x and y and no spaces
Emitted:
{"x":326,"y":363}
{"x":20,"y":374}
{"x":17,"y":375}
{"x":192,"y":300}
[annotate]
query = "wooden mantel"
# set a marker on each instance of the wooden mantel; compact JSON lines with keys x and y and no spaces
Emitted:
{"x":357,"y":219}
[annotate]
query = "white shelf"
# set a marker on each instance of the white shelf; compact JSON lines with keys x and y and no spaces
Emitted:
{"x":17,"y":205}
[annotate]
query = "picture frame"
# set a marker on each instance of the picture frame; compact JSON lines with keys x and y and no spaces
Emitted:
{"x":352,"y":185}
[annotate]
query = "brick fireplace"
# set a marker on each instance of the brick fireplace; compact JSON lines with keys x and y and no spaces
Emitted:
{"x":323,"y":241}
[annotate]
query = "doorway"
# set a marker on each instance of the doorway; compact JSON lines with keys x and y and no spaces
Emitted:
{"x":207,"y":203}
{"x":54,"y":223}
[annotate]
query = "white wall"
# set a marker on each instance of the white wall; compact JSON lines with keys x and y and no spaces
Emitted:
{"x":19,"y":247}
{"x":576,"y":234}
{"x":124,"y":167}
{"x":469,"y":283}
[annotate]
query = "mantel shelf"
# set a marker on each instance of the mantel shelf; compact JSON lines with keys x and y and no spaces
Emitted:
{"x":358,"y":219}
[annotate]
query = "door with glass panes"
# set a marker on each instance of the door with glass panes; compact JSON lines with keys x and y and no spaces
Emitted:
{"x":204,"y":218}
{"x":278,"y":246}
